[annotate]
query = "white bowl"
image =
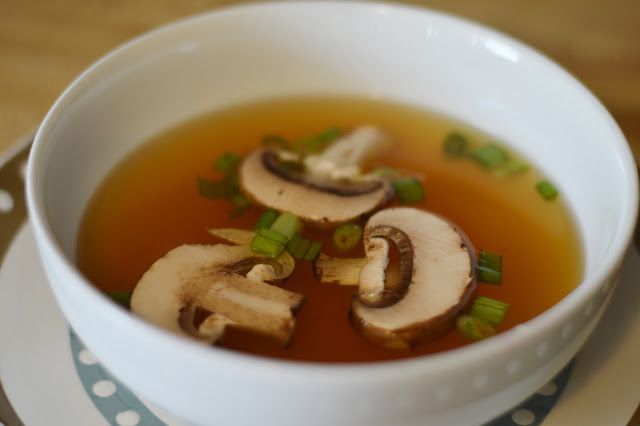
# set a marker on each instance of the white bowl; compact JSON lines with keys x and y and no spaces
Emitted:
{"x":405,"y":54}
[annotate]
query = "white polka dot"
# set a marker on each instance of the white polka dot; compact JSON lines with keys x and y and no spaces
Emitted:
{"x":443,"y":393}
{"x":480,"y":381}
{"x":567,"y":330}
{"x":548,"y":389}
{"x":523,"y":417}
{"x":514,"y":366}
{"x":128,"y":418}
{"x":6,"y":201}
{"x":104,"y":388}
{"x":589,"y":309}
{"x":22,"y":170}
{"x":87,"y":357}
{"x":542,"y":349}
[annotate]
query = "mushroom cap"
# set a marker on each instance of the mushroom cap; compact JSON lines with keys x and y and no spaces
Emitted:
{"x":441,"y":285}
{"x":311,"y":204}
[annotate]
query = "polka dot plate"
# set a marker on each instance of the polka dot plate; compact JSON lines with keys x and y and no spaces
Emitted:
{"x":49,"y":378}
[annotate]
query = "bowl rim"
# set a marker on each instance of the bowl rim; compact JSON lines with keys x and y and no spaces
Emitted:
{"x":516,"y":336}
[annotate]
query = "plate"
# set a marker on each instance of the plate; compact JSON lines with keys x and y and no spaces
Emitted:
{"x":50,"y":378}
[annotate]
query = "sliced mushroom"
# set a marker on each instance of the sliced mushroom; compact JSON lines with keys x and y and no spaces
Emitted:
{"x":328,"y":188}
{"x":418,"y":276}
{"x":211,"y":279}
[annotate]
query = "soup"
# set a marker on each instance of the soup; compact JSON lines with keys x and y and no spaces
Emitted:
{"x":168,"y":194}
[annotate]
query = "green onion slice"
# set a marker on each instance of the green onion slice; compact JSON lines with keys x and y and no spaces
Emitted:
{"x":313,"y":251}
{"x":273,"y":240}
{"x":455,"y":145}
{"x":240,"y":200}
{"x":346,"y":236}
{"x":473,"y":328}
{"x":298,"y":246}
{"x":317,"y":143}
{"x":264,"y":245}
{"x":329,"y":135}
{"x":490,"y":310}
{"x":408,"y":190}
{"x":515,"y":166}
{"x":547,"y":190}
{"x":386,"y":172}
{"x":121,"y":297}
{"x":266,"y":219}
{"x":489,"y":269}
{"x":227,"y":163}
{"x":303,"y":249}
{"x":490,"y":156}
{"x":273,"y":235}
{"x":287,"y":224}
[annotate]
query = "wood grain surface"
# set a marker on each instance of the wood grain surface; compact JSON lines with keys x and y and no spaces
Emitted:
{"x":44,"y":44}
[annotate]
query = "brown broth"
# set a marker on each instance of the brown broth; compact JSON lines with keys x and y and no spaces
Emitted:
{"x":150,"y":204}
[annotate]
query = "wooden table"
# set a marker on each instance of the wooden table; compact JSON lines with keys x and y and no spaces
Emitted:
{"x":45,"y":44}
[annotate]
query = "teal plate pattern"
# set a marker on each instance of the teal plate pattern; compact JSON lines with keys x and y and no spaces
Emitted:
{"x":120,"y":407}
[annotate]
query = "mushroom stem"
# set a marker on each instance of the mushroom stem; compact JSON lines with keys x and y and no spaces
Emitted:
{"x":343,"y":158}
{"x":338,"y":271}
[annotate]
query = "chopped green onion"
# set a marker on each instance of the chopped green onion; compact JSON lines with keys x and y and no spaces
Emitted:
{"x":515,"y":166}
{"x":303,"y":249}
{"x":547,"y":190}
{"x":489,"y":269}
{"x":273,"y":235}
{"x":386,"y":172}
{"x":272,"y":241}
{"x":317,"y":143}
{"x":287,"y":224}
{"x":490,"y":156}
{"x":264,"y":245}
{"x":473,"y":328}
{"x":490,"y":260}
{"x":120,"y":297}
{"x":328,"y":135}
{"x":266,"y":219}
{"x":490,"y":310}
{"x":275,"y":141}
{"x":298,"y":246}
{"x":488,"y":276}
{"x":408,"y":190}
{"x":240,"y":200}
{"x":347,"y":236}
{"x":313,"y":250}
{"x":227,"y":163}
{"x":455,"y":144}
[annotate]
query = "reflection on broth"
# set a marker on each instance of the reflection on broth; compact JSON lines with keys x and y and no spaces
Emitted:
{"x":330,"y":229}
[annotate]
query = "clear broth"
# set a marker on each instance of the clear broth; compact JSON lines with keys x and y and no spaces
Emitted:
{"x":150,"y":204}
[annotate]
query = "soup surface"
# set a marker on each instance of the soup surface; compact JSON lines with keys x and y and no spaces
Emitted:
{"x":150,"y":204}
